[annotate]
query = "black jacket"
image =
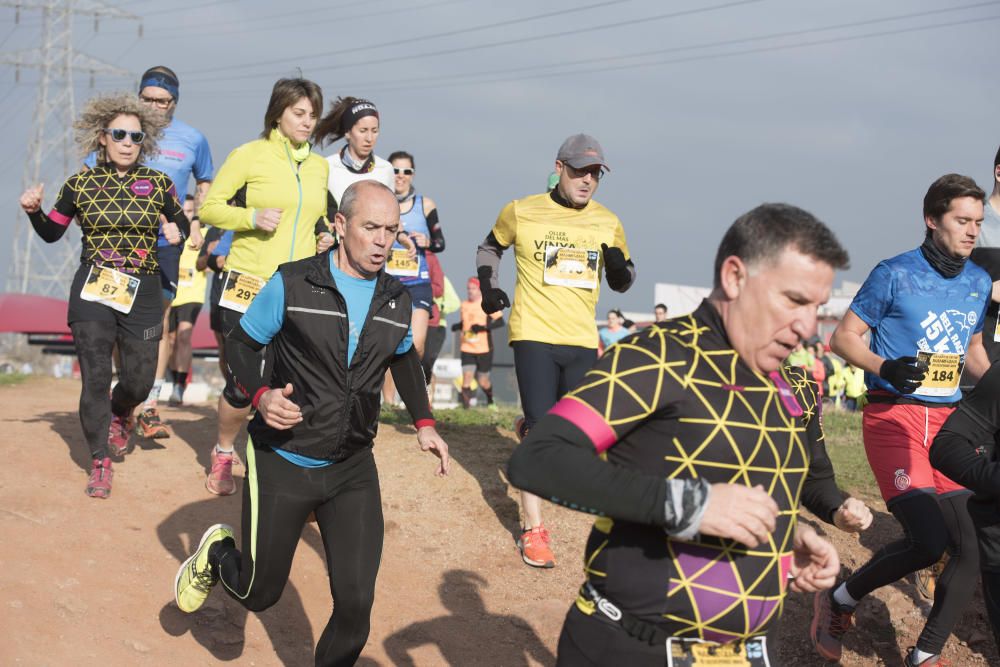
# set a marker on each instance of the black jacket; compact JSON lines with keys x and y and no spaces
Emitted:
{"x":310,"y":352}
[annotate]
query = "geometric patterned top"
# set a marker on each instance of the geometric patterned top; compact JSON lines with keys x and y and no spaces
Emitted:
{"x":676,"y":400}
{"x":119,"y":216}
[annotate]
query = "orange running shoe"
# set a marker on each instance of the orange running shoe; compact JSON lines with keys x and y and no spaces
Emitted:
{"x":534,"y":546}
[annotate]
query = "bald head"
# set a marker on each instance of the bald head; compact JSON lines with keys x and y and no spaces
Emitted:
{"x":364,"y":190}
{"x":367,"y":223}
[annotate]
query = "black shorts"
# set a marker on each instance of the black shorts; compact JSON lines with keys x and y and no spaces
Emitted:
{"x":186,"y":312}
{"x":214,"y":316}
{"x":144,"y":321}
{"x":482,"y":362}
{"x":421,"y":296}
{"x":169,"y":258}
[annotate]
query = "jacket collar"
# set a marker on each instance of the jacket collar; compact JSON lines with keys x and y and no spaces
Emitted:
{"x":319,"y":274}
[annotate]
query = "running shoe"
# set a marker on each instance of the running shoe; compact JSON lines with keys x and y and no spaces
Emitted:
{"x":176,"y":396}
{"x":492,"y":407}
{"x":118,"y":435}
{"x":931,"y":661}
{"x":519,"y":428}
{"x":150,"y":426}
{"x":534,"y":546}
{"x":196,"y":576}
{"x":830,"y":622}
{"x":926,"y":579}
{"x":99,"y":484}
{"x":220,"y":480}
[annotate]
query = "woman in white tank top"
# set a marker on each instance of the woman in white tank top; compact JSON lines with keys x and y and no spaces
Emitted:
{"x":357,"y":121}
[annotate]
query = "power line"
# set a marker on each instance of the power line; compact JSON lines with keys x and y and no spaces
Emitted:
{"x":676,"y":49}
{"x":176,"y":35}
{"x":714,"y":56}
{"x":487,"y":45}
{"x":185,"y":8}
{"x":397,"y":42}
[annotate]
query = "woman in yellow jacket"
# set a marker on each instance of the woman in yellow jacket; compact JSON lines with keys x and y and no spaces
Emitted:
{"x":279,"y":188}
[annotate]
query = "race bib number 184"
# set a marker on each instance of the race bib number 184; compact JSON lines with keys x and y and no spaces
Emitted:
{"x":942,"y":373}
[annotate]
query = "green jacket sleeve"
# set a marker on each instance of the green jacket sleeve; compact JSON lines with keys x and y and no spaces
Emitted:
{"x":232,"y":176}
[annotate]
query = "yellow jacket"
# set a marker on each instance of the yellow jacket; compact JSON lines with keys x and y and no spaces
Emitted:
{"x":273,"y":179}
{"x":855,"y":382}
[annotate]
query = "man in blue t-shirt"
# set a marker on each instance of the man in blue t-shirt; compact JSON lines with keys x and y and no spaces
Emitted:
{"x":924,"y":312}
{"x":334,"y":324}
{"x":183,"y":153}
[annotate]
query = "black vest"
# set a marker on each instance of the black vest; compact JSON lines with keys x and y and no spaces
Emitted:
{"x":340,"y":402}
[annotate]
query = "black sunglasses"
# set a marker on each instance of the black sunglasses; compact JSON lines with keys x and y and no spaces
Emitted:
{"x":118,"y":134}
{"x":405,"y":172}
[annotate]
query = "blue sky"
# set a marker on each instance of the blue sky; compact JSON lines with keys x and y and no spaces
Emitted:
{"x":736,"y":103}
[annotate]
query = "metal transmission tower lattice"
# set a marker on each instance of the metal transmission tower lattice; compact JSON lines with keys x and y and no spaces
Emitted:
{"x":36,"y":268}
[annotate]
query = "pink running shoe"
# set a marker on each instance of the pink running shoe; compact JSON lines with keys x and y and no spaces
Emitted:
{"x":99,"y":484}
{"x":118,"y":435}
{"x":220,"y":480}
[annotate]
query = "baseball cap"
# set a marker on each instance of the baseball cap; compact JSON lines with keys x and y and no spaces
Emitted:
{"x":580,"y":151}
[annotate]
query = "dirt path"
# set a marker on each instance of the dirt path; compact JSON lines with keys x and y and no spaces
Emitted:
{"x":85,"y":580}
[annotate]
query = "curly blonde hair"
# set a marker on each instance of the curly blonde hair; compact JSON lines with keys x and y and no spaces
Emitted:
{"x":100,"y":111}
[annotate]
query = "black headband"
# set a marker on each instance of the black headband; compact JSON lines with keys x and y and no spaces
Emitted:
{"x":357,"y":111}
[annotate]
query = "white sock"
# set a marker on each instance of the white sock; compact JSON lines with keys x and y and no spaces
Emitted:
{"x":154,"y":394}
{"x":219,"y":449}
{"x":843,"y":598}
{"x":919,"y":656}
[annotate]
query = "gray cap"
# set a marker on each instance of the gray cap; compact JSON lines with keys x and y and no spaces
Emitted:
{"x":581,"y":151}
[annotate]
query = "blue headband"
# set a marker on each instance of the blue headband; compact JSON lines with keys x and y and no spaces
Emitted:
{"x":161,"y":80}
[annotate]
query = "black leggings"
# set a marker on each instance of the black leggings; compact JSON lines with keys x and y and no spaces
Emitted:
{"x":348,"y":505}
{"x":94,"y":342}
{"x":931,"y":525}
{"x":545,"y":372}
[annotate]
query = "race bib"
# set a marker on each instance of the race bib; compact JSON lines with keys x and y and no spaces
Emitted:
{"x":694,"y":653}
{"x":112,"y":288}
{"x":943,"y":372}
{"x":185,"y":277}
{"x":239,"y":290}
{"x":570,"y":267}
{"x":400,"y":264}
{"x":996,"y":331}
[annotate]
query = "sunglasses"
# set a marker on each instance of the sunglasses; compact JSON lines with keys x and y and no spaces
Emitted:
{"x":118,"y":134}
{"x":405,"y":172}
{"x":159,"y":102}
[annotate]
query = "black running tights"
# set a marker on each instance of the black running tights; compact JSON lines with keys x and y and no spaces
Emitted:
{"x":277,"y":499}
{"x":931,"y":525}
{"x":546,"y":372}
{"x":94,"y":342}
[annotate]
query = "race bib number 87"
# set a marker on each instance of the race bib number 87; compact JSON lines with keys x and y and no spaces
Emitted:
{"x":112,"y":288}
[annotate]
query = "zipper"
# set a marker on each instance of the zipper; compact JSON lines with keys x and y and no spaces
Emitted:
{"x":298,"y":181}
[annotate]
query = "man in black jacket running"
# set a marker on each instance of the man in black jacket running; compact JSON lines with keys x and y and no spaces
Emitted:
{"x":335,"y":324}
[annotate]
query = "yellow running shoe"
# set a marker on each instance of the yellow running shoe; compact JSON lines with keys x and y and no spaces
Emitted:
{"x":195,"y":577}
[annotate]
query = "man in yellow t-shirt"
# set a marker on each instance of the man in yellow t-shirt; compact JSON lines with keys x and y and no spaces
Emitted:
{"x":184,"y":311}
{"x":563,"y":241}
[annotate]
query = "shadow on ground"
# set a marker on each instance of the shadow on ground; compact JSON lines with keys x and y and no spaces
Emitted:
{"x":514,"y":640}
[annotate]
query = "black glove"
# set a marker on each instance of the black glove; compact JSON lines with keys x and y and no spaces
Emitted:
{"x":457,"y":326}
{"x":902,"y":374}
{"x":615,"y":266}
{"x":478,"y":328}
{"x":494,"y":300}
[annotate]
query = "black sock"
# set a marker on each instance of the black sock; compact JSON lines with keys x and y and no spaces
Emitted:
{"x":489,"y":394}
{"x":180,"y":379}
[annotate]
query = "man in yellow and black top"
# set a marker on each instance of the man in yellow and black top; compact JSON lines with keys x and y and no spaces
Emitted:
{"x":563,"y":241}
{"x":693,"y":443}
{"x":184,"y":311}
